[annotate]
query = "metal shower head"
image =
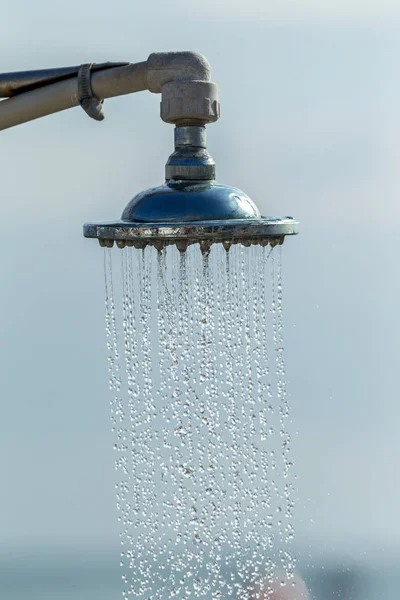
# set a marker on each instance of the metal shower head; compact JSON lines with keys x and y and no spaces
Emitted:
{"x":191,"y":207}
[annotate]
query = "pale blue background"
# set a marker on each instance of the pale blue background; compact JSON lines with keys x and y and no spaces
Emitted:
{"x":310,"y":127}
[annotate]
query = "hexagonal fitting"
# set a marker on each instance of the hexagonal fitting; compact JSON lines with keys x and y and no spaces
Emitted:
{"x":190,"y":101}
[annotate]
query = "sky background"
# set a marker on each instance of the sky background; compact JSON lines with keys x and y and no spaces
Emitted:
{"x":309,"y":127}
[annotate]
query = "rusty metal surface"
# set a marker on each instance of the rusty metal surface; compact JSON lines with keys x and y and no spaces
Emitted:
{"x":253,"y":231}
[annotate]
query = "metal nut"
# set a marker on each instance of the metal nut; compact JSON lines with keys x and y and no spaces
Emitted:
{"x":190,"y":101}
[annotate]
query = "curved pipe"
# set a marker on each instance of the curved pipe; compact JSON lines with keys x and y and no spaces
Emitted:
{"x":163,"y":67}
{"x":160,"y":68}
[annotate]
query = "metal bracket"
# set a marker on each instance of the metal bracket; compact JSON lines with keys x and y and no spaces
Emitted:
{"x":90,"y":103}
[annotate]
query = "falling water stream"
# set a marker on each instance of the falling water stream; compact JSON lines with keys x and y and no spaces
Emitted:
{"x":201,"y":420}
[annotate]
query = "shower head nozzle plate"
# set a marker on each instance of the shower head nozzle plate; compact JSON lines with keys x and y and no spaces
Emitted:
{"x":253,"y":231}
{"x":186,"y":212}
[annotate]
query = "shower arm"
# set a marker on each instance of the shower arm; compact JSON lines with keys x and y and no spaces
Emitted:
{"x":182,"y":78}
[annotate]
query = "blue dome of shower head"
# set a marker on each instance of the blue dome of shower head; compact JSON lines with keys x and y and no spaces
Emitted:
{"x":191,"y":207}
{"x":188,"y":201}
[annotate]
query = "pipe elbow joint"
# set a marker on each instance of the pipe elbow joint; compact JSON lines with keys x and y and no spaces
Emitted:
{"x":163,"y":67}
{"x":183,"y":78}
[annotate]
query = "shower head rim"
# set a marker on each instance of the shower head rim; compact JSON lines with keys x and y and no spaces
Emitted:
{"x":215,"y":230}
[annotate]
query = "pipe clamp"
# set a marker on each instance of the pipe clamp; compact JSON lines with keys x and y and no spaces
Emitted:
{"x":90,"y":103}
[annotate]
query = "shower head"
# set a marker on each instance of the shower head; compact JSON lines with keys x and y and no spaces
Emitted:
{"x":191,"y":207}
